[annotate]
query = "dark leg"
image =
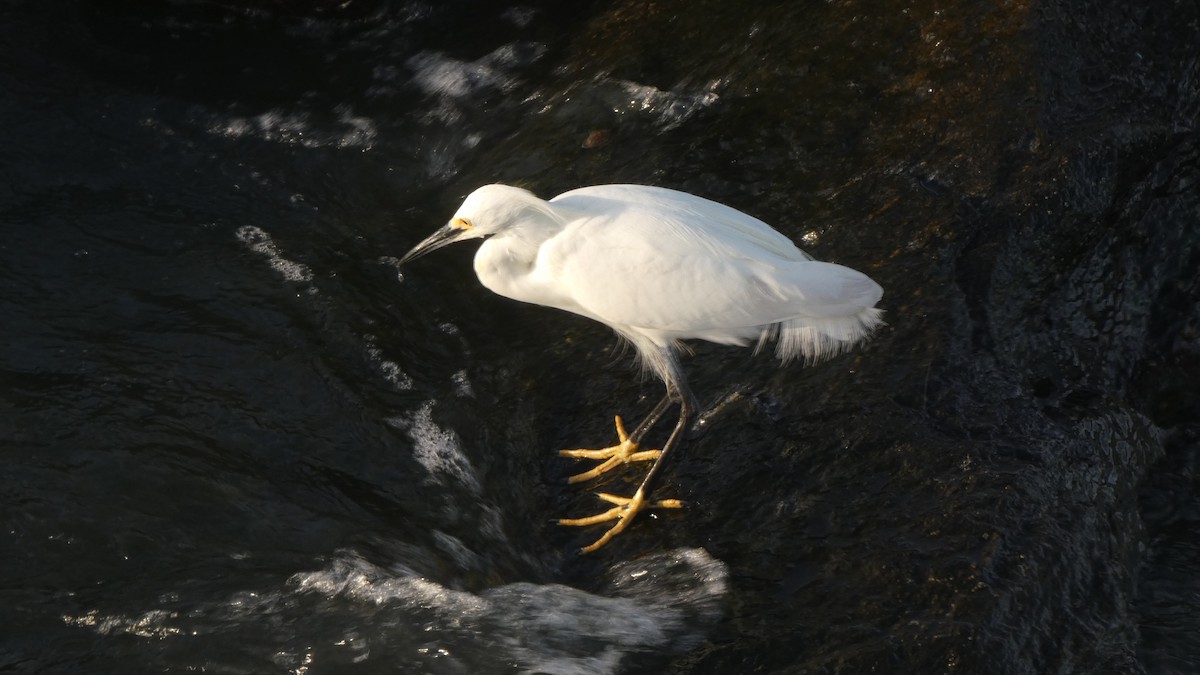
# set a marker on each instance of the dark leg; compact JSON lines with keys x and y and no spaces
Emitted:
{"x":677,"y":390}
{"x":651,"y":419}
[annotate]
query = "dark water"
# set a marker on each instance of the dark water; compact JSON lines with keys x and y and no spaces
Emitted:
{"x":235,"y":439}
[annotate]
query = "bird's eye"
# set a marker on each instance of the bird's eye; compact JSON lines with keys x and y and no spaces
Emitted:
{"x":461,"y":224}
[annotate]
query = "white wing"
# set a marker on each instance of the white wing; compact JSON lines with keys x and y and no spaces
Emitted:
{"x":705,"y":222}
{"x":671,"y":266}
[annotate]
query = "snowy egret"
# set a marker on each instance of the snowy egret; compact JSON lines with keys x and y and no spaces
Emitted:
{"x":659,"y":266}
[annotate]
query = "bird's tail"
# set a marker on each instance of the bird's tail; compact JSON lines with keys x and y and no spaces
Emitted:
{"x":817,"y":338}
{"x":837,"y":310}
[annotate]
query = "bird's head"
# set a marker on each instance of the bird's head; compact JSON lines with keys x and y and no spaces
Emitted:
{"x":489,"y":210}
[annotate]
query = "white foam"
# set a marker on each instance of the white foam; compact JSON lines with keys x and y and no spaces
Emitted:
{"x":438,"y":449}
{"x":446,"y":77}
{"x":357,"y":131}
{"x":351,"y":577}
{"x":392,"y":373}
{"x":462,"y":386}
{"x":453,"y":88}
{"x":347,"y":130}
{"x":671,"y":108}
{"x":440,"y":75}
{"x":664,"y":603}
{"x":390,"y":369}
{"x":257,"y":240}
{"x":152,"y":624}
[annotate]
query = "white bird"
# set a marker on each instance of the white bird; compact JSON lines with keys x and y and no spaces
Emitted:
{"x":659,"y":266}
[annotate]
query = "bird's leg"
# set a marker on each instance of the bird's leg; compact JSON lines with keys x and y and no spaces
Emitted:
{"x":626,"y":509}
{"x":626,"y":449}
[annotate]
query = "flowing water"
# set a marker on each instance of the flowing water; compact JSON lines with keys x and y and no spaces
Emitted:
{"x":236,"y":438}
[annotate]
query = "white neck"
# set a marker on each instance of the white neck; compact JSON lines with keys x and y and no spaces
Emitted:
{"x":506,"y":262}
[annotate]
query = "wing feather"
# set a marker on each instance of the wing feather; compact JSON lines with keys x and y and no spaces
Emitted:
{"x":674,"y":266}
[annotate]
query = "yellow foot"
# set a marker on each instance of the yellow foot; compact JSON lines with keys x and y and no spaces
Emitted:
{"x":623,"y":452}
{"x":624,"y":511}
